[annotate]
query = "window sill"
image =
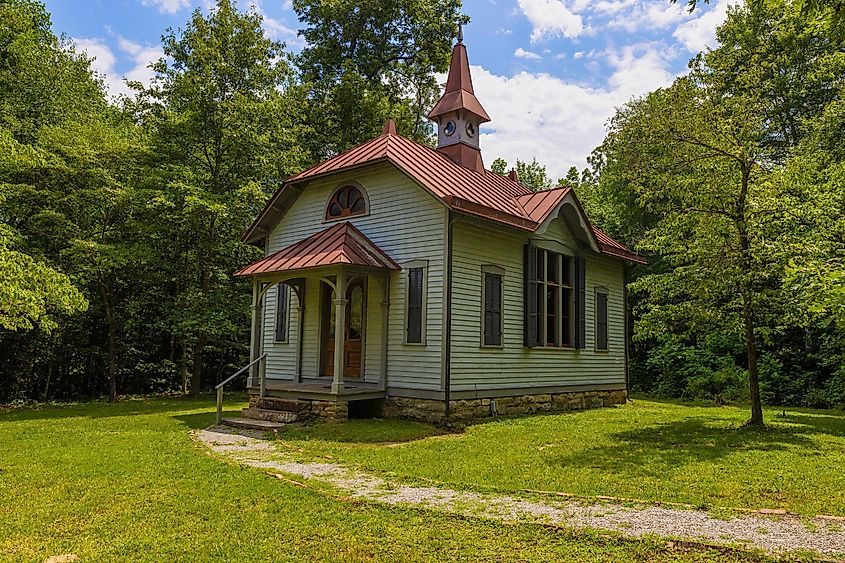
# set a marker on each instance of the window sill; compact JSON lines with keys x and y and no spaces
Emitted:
{"x":417,"y":344}
{"x":281,"y":342}
{"x":555,"y":348}
{"x":492,"y":346}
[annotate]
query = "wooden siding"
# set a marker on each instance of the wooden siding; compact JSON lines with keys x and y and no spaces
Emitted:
{"x":478,"y":368}
{"x":408,"y":224}
{"x":281,"y":356}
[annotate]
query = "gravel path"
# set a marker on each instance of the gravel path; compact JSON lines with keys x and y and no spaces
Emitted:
{"x":773,"y":534}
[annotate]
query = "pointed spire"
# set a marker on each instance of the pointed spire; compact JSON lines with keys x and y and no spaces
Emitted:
{"x":460,"y":34}
{"x":459,"y":92}
{"x":389,"y":127}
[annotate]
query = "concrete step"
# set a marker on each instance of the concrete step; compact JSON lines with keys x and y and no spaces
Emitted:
{"x":252,"y":424}
{"x":278,"y":404}
{"x":268,"y":415}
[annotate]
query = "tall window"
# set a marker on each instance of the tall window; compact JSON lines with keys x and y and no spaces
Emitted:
{"x":554,"y":311}
{"x":492,"y":303}
{"x":347,"y":201}
{"x":282,"y":302}
{"x":415,"y":303}
{"x":601,"y":319}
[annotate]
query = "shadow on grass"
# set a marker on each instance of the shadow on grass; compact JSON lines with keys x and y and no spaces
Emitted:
{"x":363,"y":431}
{"x":123,"y":407}
{"x":642,"y":451}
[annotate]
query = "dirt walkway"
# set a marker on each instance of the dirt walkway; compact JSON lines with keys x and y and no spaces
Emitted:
{"x":775,"y":535}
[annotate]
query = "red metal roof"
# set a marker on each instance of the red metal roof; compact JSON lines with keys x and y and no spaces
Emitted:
{"x":480,"y":193}
{"x":537,"y":205}
{"x":616,"y":248}
{"x":341,"y":243}
{"x":433,"y":170}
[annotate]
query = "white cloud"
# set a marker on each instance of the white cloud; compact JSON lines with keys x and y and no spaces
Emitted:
{"x":649,"y":15}
{"x":168,"y":6}
{"x":612,"y":6}
{"x":699,"y":33}
{"x":559,"y":122}
{"x":523,"y":54}
{"x":640,"y":68}
{"x":551,"y":18}
{"x":105,"y":61}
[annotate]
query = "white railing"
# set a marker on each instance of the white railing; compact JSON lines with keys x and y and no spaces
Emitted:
{"x":220,"y":385}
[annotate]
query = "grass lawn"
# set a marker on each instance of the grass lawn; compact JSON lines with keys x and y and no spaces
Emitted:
{"x":125,"y":482}
{"x":644,"y":450}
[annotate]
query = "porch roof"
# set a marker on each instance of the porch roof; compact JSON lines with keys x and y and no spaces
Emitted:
{"x":341,"y":243}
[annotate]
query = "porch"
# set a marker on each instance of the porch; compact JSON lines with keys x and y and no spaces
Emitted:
{"x":320,"y":319}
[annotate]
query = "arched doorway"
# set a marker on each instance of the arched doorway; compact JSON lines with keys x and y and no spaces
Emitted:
{"x":356,"y":313}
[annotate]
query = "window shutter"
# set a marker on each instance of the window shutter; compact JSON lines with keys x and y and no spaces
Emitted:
{"x":529,"y":271}
{"x":281,"y":312}
{"x":415,"y":291}
{"x":580,"y":303}
{"x":492,"y":310}
{"x":601,"y":321}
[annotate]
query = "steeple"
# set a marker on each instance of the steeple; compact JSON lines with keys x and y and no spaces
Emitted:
{"x":459,"y":114}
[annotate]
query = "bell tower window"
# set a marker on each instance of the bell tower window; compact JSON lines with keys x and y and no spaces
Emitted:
{"x":347,"y":201}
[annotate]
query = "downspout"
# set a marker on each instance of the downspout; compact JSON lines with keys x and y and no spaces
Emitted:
{"x":447,"y":364}
{"x":627,"y":330}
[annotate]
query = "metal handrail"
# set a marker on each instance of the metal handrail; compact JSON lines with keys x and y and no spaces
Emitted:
{"x":219,"y":386}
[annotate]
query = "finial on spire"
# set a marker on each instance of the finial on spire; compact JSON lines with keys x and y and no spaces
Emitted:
{"x":460,"y":34}
{"x":389,"y":127}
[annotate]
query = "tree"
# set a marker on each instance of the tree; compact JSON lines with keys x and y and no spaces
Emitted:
{"x":700,"y":168}
{"x":63,"y":172}
{"x":367,"y":61}
{"x":532,"y":174}
{"x":830,"y":10}
{"x":223,"y":119}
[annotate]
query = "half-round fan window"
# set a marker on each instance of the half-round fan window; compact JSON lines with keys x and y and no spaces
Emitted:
{"x":348,"y":201}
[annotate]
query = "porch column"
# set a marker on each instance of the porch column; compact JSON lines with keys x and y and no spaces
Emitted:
{"x":385,"y":331}
{"x":339,"y":330}
{"x":253,"y":335}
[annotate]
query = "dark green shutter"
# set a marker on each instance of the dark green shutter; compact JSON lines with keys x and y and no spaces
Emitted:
{"x":282,"y":313}
{"x":601,"y":321}
{"x":529,"y":271}
{"x":415,"y":305}
{"x":492,"y":310}
{"x":580,"y":303}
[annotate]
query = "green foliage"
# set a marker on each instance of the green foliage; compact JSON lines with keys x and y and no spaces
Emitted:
{"x":532,"y":174}
{"x":366,"y":62}
{"x":703,"y":177}
{"x":32,"y":293}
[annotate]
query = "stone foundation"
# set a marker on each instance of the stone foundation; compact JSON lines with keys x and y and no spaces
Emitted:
{"x":463,"y":410}
{"x":329,"y":411}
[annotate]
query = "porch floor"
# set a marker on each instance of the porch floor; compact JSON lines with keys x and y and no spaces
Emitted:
{"x":352,"y":391}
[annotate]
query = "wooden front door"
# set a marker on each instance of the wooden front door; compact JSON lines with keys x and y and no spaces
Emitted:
{"x":353,"y":331}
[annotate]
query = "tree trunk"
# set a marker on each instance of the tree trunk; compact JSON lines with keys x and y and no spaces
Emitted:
{"x":183,"y":368}
{"x":112,"y":362}
{"x":196,"y":375}
{"x":748,"y":305}
{"x":751,"y":351}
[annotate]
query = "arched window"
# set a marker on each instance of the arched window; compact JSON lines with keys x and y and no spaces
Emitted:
{"x":347,"y":201}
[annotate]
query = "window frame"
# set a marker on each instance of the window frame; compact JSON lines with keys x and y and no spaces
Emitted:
{"x":559,"y":286}
{"x":406,"y":292}
{"x":344,"y":185}
{"x":601,"y":291}
{"x":491,"y":270}
{"x":282,"y":287}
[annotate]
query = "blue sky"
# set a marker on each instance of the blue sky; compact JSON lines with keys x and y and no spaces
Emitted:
{"x":549,"y":72}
